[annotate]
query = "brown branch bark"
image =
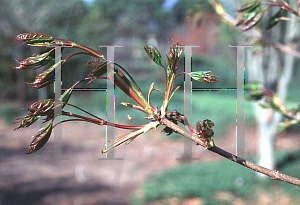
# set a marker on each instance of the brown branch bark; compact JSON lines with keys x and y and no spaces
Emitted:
{"x":274,"y":174}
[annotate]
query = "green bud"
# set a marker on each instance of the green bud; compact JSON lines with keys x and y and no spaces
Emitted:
{"x":204,"y":128}
{"x":204,"y":76}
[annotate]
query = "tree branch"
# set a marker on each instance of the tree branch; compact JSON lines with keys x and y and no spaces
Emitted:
{"x":274,"y":174}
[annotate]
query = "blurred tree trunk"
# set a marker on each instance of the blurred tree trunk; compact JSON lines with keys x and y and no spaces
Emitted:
{"x":274,"y":69}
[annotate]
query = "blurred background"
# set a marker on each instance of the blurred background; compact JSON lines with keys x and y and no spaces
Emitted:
{"x":150,"y":170}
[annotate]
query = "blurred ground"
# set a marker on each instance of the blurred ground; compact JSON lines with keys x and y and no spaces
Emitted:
{"x":83,"y":179}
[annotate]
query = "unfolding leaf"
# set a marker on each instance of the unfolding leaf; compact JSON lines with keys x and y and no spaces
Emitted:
{"x":249,"y":6}
{"x":41,"y":138}
{"x":173,"y":57}
{"x":274,"y":19}
{"x":204,"y":128}
{"x":42,"y":107}
{"x":251,"y":19}
{"x":26,"y":121}
{"x":36,"y":111}
{"x":66,"y":96}
{"x":95,"y":63}
{"x":128,"y":88}
{"x":54,"y":43}
{"x":46,"y":77}
{"x":248,"y":15}
{"x":128,"y":137}
{"x":154,"y":54}
{"x":37,"y":60}
{"x":251,"y":14}
{"x":205,"y":131}
{"x":101,"y":68}
{"x":43,"y":40}
{"x":35,"y":39}
{"x":121,"y":140}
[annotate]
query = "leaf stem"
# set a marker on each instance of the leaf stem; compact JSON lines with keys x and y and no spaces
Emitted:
{"x":85,"y":48}
{"x":98,"y":122}
{"x":74,"y":54}
{"x":288,"y":19}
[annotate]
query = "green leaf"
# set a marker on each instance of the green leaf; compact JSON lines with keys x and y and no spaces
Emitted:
{"x":41,"y":138}
{"x":274,"y":19}
{"x":36,"y":111}
{"x":42,"y":107}
{"x":154,"y":54}
{"x":101,"y":68}
{"x":26,"y":121}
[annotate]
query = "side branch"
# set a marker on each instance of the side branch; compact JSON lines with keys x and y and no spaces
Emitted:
{"x":272,"y":173}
